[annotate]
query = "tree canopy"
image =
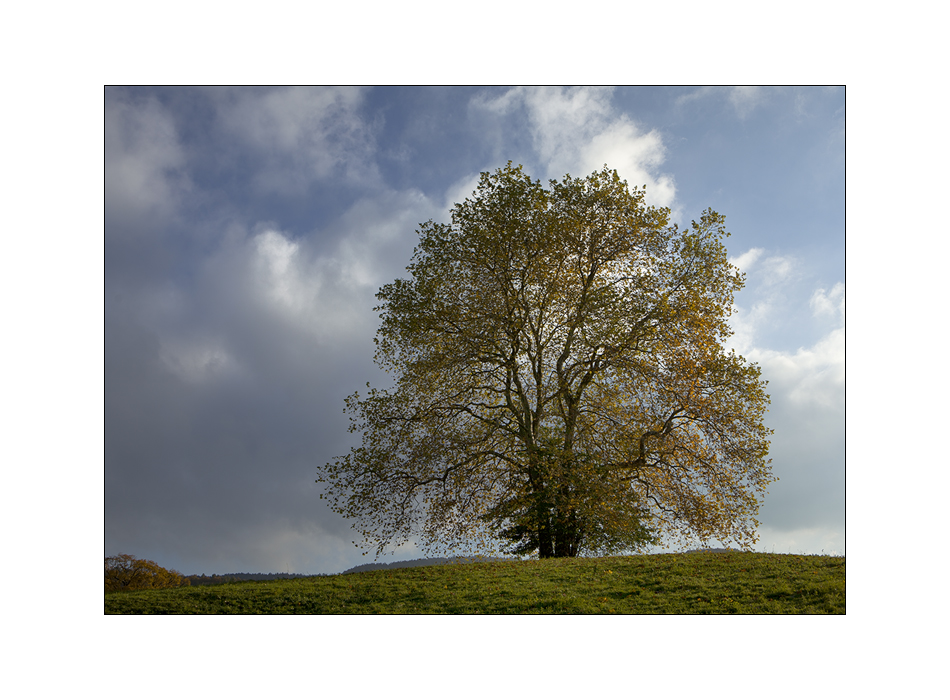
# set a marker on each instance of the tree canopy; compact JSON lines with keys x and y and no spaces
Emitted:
{"x":560,"y":383}
{"x":126,"y":573}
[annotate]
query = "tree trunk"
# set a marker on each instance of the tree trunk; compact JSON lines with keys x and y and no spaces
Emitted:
{"x":568,"y":536}
{"x":545,"y":537}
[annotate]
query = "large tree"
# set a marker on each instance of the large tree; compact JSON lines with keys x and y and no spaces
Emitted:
{"x":560,"y":381}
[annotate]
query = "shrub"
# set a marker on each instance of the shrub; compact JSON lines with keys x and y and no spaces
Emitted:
{"x":126,"y":573}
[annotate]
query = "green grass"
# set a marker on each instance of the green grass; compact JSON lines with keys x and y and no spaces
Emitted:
{"x":697,"y":583}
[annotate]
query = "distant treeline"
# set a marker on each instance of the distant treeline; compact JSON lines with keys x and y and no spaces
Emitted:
{"x":437,"y":561}
{"x":203,"y":580}
{"x":216,"y":579}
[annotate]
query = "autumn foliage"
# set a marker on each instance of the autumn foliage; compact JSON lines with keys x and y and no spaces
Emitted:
{"x":561,"y":381}
{"x":126,"y":573}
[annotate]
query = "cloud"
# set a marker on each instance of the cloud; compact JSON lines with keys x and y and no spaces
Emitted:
{"x":144,"y":164}
{"x":382,"y":234}
{"x":767,"y":285}
{"x":227,"y":365}
{"x":811,"y":377}
{"x":807,"y":409}
{"x":830,"y":303}
{"x":806,"y":386}
{"x":577,"y":131}
{"x":302,"y":285}
{"x":225,"y":388}
{"x":807,"y":414}
{"x":804,"y":509}
{"x":747,"y":260}
{"x":198,"y":358}
{"x":562,"y":121}
{"x":743,"y":99}
{"x":778,"y":269}
{"x":813,"y":374}
{"x":459,"y":191}
{"x":300,"y":135}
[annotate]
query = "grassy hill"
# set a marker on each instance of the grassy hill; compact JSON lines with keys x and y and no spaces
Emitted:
{"x":693,"y":583}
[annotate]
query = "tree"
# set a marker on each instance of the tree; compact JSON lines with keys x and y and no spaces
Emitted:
{"x":560,"y":381}
{"x":126,"y":573}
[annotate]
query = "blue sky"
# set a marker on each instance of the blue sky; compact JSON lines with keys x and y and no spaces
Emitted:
{"x":247,"y":231}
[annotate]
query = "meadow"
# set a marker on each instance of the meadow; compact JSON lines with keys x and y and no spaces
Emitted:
{"x":690,"y":583}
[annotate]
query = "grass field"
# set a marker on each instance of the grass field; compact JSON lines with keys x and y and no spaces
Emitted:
{"x":695,"y":583}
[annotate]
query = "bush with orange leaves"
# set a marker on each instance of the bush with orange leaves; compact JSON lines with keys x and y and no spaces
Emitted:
{"x":126,"y":573}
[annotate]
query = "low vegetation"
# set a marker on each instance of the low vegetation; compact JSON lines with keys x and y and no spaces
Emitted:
{"x":693,"y":583}
{"x":126,"y":573}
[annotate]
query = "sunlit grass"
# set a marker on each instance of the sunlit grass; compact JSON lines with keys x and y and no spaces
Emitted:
{"x":696,"y":583}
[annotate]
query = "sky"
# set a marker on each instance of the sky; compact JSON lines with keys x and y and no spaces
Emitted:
{"x":248,"y":230}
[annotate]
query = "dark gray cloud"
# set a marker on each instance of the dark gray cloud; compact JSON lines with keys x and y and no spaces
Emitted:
{"x":229,"y":343}
{"x":224,"y":390}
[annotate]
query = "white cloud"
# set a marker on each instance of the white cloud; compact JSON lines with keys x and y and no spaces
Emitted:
{"x":806,"y":386}
{"x":773,"y":270}
{"x":830,"y":303}
{"x":324,"y":295}
{"x":807,"y":405}
{"x":255,"y":297}
{"x":634,"y":155}
{"x":267,"y":288}
{"x":461,"y":190}
{"x":814,"y":375}
{"x":811,"y":376}
{"x":276,"y":257}
{"x":767,"y":280}
{"x":576,"y":131}
{"x":747,"y":260}
{"x":382,"y":234}
{"x":746,"y":323}
{"x":778,"y":269}
{"x":808,"y":417}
